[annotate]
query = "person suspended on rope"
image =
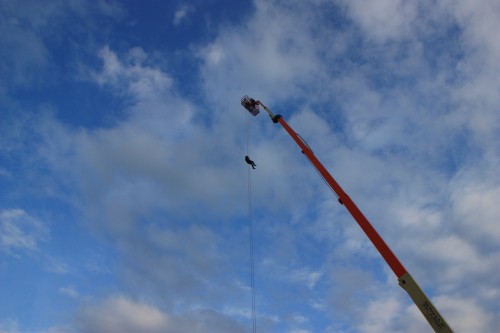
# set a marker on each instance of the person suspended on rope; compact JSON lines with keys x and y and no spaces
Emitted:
{"x":249,"y":161}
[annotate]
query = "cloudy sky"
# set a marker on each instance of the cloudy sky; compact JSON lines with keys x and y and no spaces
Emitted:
{"x":124,"y":195}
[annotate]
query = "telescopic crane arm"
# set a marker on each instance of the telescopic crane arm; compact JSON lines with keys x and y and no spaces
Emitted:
{"x":405,"y":280}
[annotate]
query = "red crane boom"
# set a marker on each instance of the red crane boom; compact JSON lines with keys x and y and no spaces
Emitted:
{"x":405,"y":280}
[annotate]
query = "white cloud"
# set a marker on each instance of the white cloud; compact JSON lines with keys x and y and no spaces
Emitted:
{"x":383,"y":20}
{"x":476,"y":210}
{"x":29,"y":28}
{"x":56,"y":265}
{"x":271,"y":54}
{"x":69,"y":291}
{"x":12,"y":326}
{"x":27,"y":56}
{"x":131,"y":182}
{"x":120,"y":314}
{"x":380,"y":315}
{"x":466,"y":314}
{"x":214,"y":54}
{"x":20,"y":231}
{"x":160,"y":157}
{"x":306,"y":276}
{"x":140,"y":81}
{"x":182,"y":13}
{"x":9,"y":326}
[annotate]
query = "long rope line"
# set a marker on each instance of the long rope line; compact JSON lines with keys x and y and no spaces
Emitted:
{"x":250,"y":227}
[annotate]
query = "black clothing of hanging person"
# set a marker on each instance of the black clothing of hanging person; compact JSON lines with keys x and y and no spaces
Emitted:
{"x":249,"y":161}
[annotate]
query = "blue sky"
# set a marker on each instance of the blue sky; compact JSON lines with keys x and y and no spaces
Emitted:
{"x":124,"y":191}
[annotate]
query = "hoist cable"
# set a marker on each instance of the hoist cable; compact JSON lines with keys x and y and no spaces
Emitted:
{"x":319,"y":173}
{"x":250,"y":228}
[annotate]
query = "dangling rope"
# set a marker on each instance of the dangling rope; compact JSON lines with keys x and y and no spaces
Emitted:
{"x":250,"y":227}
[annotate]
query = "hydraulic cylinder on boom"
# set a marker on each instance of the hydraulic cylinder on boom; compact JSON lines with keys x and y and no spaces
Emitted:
{"x":405,"y":280}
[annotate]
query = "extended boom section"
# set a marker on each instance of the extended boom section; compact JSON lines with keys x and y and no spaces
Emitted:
{"x":405,"y":280}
